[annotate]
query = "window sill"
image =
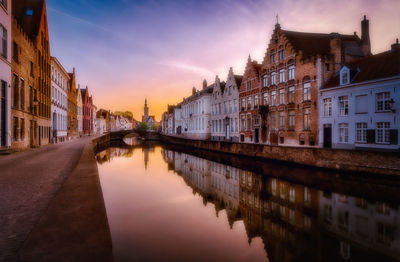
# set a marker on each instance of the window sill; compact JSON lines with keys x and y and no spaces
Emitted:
{"x":385,"y":111}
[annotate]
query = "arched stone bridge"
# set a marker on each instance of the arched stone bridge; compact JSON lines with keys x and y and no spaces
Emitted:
{"x":120,"y":135}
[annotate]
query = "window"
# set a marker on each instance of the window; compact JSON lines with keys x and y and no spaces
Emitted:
{"x":265,"y":99}
{"x":256,"y":121}
{"x":291,"y":94}
{"x":328,"y":107}
{"x":343,"y":133}
{"x":15,"y":129}
{"x":343,"y":106}
{"x":243,"y":104}
{"x":282,"y":76}
{"x":265,"y":80}
{"x":22,"y":130}
{"x":16,"y":90}
{"x":3,"y":38}
{"x":255,"y":101}
{"x":292,"y":194}
{"x":383,"y":102}
{"x":272,"y":58}
{"x":15,"y":52}
{"x":248,"y":122}
{"x":248,"y":102}
{"x":248,"y":85}
{"x":243,"y":123}
{"x":361,"y":132}
{"x":306,"y":92}
{"x":307,"y":119}
{"x":4,"y":3}
{"x":291,"y":72}
{"x":22,"y":94}
{"x":281,"y":96}
{"x":281,"y":120}
{"x":280,"y":54}
{"x":361,"y":106}
{"x":235,"y":106}
{"x":273,"y":97}
{"x":344,"y":77}
{"x":382,"y":132}
{"x":273,"y":78}
{"x":291,"y":120}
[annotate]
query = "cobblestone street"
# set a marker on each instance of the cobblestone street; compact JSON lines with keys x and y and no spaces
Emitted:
{"x":28,"y":182}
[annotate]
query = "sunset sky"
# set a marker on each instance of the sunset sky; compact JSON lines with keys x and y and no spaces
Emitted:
{"x":126,"y":50}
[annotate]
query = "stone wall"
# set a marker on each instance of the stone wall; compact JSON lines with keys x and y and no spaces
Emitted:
{"x":387,"y":163}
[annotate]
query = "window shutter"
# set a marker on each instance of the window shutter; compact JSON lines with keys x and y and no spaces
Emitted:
{"x":393,"y":136}
{"x":371,"y":136}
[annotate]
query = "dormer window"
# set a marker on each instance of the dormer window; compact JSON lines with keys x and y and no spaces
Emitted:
{"x":344,"y":76}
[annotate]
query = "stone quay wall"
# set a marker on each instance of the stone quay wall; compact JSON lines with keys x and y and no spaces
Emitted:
{"x":385,"y":163}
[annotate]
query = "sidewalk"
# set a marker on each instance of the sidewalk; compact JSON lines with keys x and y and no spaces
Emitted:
{"x":30,"y":184}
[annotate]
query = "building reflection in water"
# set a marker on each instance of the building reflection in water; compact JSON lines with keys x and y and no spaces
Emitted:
{"x":296,"y":222}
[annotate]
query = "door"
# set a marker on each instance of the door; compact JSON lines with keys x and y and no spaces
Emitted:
{"x":256,"y":135}
{"x":327,"y":135}
{"x":31,"y":134}
{"x":227,"y":132}
{"x":3,"y":115}
{"x":55,"y":127}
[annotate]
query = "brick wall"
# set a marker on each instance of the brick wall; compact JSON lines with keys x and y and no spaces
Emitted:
{"x":386,"y":163}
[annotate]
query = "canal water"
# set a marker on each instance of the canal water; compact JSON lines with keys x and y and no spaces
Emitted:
{"x":173,"y":204}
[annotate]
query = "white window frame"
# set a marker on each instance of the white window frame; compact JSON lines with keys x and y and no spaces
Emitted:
{"x":383,"y":132}
{"x":327,"y":106}
{"x":343,"y":132}
{"x":343,"y":105}
{"x":307,"y":91}
{"x":361,"y":132}
{"x":344,"y":76}
{"x":291,"y":72}
{"x":382,"y":101}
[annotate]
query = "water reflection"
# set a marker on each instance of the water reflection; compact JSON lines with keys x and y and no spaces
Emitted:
{"x":308,"y":218}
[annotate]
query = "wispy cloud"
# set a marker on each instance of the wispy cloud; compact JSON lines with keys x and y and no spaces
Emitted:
{"x":79,"y":20}
{"x":201,"y":71}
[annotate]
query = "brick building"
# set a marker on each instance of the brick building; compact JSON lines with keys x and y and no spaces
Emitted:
{"x":72,"y":131}
{"x":24,"y":92}
{"x":32,"y":16}
{"x":295,"y":66}
{"x":87,"y":111}
{"x":249,"y":97}
{"x":5,"y":73}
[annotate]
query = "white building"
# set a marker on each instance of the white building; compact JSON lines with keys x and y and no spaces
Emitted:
{"x":225,"y":109}
{"x":79,"y":111}
{"x":5,"y":73}
{"x":196,"y":113}
{"x":360,"y":106}
{"x":178,"y":119}
{"x":59,"y":101}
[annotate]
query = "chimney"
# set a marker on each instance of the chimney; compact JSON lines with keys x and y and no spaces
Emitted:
{"x":204,"y":84}
{"x":194,"y":90}
{"x":365,"y":42}
{"x":395,"y":46}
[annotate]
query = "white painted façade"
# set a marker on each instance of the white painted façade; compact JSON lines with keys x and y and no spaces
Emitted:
{"x":59,"y":101}
{"x":359,"y":108}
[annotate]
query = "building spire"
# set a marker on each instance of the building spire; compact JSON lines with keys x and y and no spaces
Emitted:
{"x":145,"y":102}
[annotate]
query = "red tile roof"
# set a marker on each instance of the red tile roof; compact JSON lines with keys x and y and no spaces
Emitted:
{"x":382,"y":65}
{"x":311,"y":44}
